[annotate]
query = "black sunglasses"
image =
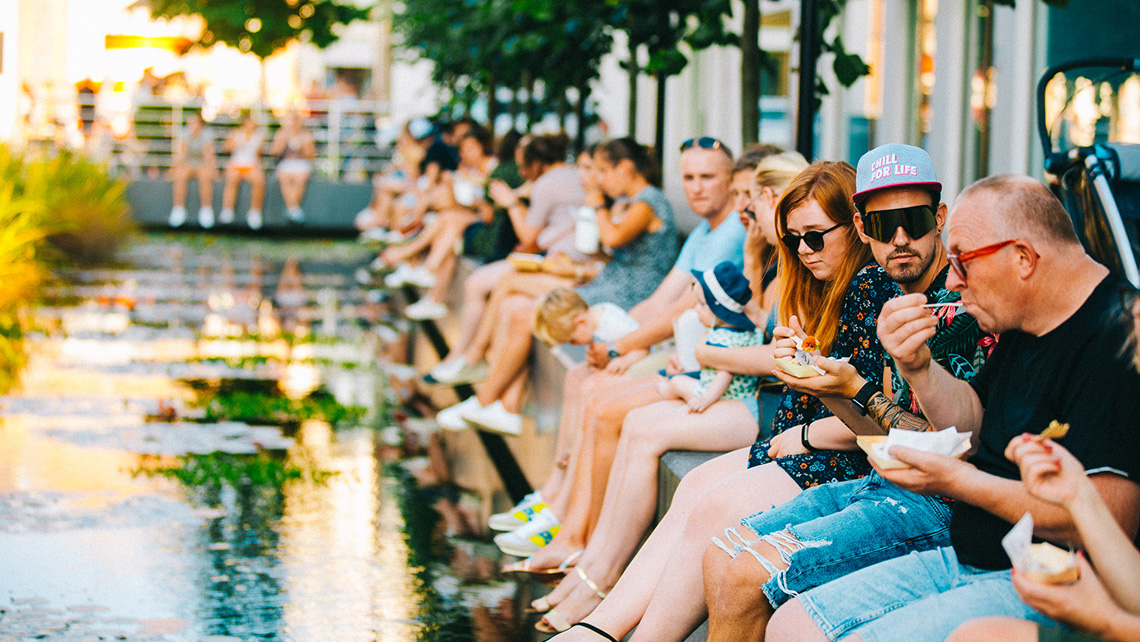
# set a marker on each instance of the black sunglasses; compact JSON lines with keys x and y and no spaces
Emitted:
{"x":814,"y":239}
{"x":916,"y":221}
{"x":704,"y":142}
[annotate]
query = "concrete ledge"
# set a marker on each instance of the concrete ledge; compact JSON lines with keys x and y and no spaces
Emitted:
{"x":329,"y":206}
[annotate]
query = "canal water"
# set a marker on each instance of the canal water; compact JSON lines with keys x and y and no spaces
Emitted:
{"x":202,"y":447}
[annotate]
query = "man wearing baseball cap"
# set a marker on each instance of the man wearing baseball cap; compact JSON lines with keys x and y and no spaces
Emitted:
{"x":862,"y":521}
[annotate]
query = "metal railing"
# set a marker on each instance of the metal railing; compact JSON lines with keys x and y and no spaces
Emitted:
{"x":353,"y":137}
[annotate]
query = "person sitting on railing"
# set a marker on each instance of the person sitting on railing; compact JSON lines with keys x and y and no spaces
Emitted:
{"x":194,"y":159}
{"x":244,"y":147}
{"x":294,"y":148}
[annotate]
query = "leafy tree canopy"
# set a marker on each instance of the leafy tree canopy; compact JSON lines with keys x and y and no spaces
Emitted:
{"x":261,"y":27}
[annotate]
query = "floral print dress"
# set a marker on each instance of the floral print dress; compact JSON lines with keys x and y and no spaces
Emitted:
{"x":869,"y":290}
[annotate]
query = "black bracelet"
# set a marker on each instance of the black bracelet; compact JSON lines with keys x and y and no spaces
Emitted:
{"x":804,"y":438}
{"x":862,"y":399}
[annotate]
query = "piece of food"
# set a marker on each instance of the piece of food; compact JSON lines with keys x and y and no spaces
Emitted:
{"x":867,"y":444}
{"x":524,"y":262}
{"x":809,"y":344}
{"x":1055,"y":431}
{"x":1050,"y":564}
{"x":795,"y":369}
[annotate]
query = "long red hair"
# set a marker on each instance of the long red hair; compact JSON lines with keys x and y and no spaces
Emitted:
{"x":818,"y":303}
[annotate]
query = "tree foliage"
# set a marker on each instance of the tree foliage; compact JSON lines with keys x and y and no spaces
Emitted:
{"x":261,"y":27}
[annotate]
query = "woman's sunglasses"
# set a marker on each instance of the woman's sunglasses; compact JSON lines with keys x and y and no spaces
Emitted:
{"x":916,"y":221}
{"x":813,"y":239}
{"x":704,"y":142}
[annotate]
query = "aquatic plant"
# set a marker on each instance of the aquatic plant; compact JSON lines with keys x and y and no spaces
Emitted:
{"x":255,"y":407}
{"x":225,"y":469}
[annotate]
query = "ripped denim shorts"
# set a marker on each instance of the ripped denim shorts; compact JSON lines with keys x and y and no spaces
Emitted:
{"x":834,"y":529}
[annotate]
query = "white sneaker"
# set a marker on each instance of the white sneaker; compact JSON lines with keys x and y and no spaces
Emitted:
{"x":206,"y":213}
{"x":522,"y":513}
{"x":493,"y":417}
{"x":420,"y":276}
{"x":425,"y":309}
{"x":531,"y":537}
{"x":295,"y":214}
{"x":253,"y":218}
{"x":451,"y":418}
{"x":374,"y":235}
{"x":225,"y":217}
{"x":399,"y":277}
{"x":363,"y":218}
{"x":446,"y":371}
{"x":177,"y":216}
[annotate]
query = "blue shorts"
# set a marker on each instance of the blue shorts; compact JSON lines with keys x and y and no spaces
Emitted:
{"x":839,"y":528}
{"x":920,"y":597}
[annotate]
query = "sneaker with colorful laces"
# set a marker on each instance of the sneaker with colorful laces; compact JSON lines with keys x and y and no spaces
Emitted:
{"x":518,"y":515}
{"x":528,"y":539}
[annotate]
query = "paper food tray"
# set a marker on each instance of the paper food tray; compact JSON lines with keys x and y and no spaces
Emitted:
{"x":795,"y":369}
{"x":866,"y":441}
{"x":526,"y":262}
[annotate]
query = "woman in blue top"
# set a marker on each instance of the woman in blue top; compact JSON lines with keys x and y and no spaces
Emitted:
{"x":643,"y":240}
{"x":829,"y":281}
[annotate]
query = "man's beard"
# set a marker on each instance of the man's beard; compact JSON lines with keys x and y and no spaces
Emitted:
{"x":911,"y":273}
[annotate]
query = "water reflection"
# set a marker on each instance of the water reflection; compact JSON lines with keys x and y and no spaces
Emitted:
{"x":93,"y":549}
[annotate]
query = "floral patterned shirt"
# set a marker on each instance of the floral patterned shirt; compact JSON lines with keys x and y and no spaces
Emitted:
{"x":869,"y":290}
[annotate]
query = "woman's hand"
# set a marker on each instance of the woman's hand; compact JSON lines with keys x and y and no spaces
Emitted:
{"x":674,"y":365}
{"x":782,"y":338}
{"x":787,"y":443}
{"x":502,"y":194}
{"x":620,"y":365}
{"x":595,"y":198}
{"x":1049,"y":472}
{"x":1084,"y":605}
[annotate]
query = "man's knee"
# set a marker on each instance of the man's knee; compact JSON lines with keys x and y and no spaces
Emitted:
{"x":741,"y":580}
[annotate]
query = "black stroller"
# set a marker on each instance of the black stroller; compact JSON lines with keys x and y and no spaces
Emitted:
{"x":1099,"y":184}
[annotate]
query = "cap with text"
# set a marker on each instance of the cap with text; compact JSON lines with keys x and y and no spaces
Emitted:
{"x":894,"y":165}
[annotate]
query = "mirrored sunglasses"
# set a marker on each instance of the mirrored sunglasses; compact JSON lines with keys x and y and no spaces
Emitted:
{"x":704,"y":142}
{"x":916,"y":221}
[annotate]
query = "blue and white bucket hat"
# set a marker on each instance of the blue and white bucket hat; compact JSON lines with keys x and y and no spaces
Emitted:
{"x":726,"y":293}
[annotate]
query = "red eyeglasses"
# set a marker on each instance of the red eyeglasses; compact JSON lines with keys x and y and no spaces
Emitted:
{"x":958,"y":261}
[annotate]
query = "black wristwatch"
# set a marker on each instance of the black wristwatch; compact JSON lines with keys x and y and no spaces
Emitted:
{"x":613,"y":353}
{"x":863,"y":398}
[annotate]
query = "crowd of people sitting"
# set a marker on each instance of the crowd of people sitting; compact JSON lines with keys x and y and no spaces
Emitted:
{"x":872,"y":306}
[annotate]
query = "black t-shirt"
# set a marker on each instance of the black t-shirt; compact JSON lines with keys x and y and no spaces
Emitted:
{"x":444,"y":155}
{"x":1079,"y":373}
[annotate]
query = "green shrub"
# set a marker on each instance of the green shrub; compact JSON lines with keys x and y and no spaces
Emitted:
{"x":81,"y":207}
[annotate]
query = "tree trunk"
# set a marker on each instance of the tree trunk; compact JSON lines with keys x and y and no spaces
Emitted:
{"x":659,"y":136}
{"x":563,"y":110}
{"x":492,"y":103}
{"x":750,"y":73}
{"x":634,"y":70}
{"x":580,"y":134}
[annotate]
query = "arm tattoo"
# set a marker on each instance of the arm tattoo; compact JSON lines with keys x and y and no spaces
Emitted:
{"x":890,"y":416}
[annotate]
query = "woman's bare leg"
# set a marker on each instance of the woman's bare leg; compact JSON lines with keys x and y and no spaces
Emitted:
{"x":476,"y":288}
{"x":451,"y":226}
{"x":256,"y":180}
{"x":510,"y":357}
{"x":631,"y":492}
{"x":585,"y":497}
{"x":400,"y":253}
{"x":179,"y":181}
{"x":206,"y":176}
{"x":230,"y":188}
